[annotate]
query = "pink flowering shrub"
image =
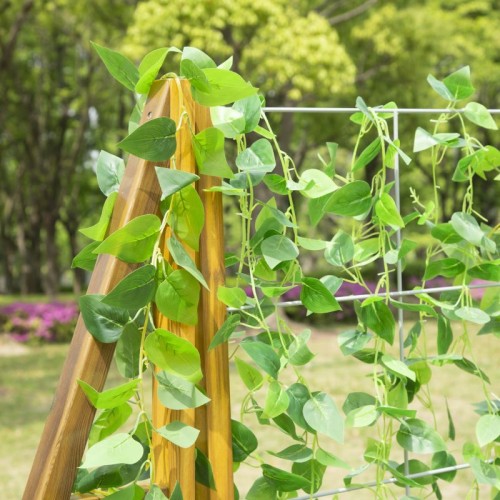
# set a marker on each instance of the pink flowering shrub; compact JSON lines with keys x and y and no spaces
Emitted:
{"x":39,"y":322}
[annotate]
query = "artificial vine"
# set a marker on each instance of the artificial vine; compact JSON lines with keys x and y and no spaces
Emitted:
{"x":266,"y":268}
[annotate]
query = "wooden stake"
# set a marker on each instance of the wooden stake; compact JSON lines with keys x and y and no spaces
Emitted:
{"x":213,"y":313}
{"x":68,"y":425}
{"x":171,"y":463}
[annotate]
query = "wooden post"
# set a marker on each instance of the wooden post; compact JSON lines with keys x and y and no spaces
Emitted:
{"x":172,"y":463}
{"x":68,"y":425}
{"x":213,"y":313}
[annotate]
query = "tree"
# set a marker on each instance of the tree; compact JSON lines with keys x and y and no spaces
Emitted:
{"x":48,"y":129}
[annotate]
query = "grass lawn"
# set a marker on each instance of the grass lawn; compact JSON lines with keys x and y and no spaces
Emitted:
{"x":28,"y":379}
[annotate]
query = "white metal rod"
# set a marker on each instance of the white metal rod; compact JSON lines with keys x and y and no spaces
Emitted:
{"x":404,"y":293}
{"x":385,"y":481}
{"x":404,"y":111}
{"x":399,"y":273}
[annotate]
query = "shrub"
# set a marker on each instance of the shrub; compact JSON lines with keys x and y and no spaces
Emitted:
{"x":39,"y":322}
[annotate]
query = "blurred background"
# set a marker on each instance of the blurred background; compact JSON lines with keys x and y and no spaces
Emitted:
{"x":59,"y":107}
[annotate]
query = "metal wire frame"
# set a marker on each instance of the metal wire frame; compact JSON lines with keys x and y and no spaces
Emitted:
{"x":391,"y":480}
{"x":399,"y":273}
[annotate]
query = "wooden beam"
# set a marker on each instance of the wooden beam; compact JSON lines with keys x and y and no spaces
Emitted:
{"x":68,"y":424}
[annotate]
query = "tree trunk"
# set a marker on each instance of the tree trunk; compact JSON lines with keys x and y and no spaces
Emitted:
{"x":53,"y":274}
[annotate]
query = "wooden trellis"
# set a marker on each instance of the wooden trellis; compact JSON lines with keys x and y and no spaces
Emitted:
{"x":68,"y":425}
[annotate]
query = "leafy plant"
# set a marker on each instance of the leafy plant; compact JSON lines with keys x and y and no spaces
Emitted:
{"x":267,"y":268}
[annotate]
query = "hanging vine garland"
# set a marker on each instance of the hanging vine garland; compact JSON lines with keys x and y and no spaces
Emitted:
{"x":267,"y":267}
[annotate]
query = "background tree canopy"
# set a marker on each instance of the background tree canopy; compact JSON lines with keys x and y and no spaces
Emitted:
{"x":60,"y":107}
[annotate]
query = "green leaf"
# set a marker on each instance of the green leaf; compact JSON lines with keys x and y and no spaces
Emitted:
{"x":225,"y":87}
{"x":311,"y":470}
{"x":120,"y":67}
{"x":277,"y":249}
{"x":152,"y":141}
{"x":136,"y":115}
{"x":172,"y":181}
{"x":352,"y":341}
{"x":470,"y":367}
{"x":357,"y":400}
{"x":177,"y":297}
{"x":183,"y":259}
{"x":340,"y":250}
{"x":362,"y":416}
{"x":467,"y":227}
{"x":155,"y":493}
{"x":258,"y":158}
{"x":312,"y":244}
{"x":408,"y":306}
{"x":135,"y":241}
{"x":263,"y":355}
{"x":177,"y":393}
{"x":379,"y":319}
{"x":485,"y":473}
{"x":225,"y":331}
{"x":187,"y":216}
{"x":283,"y":480}
{"x":110,"y":398}
{"x":317,"y":183}
{"x":488,"y":271}
{"x":459,"y":84}
{"x":367,"y":155}
{"x":440,"y":88}
{"x":444,"y":335}
{"x":86,"y":258}
{"x":445,"y":233}
{"x":203,"y":470}
{"x":116,"y":449}
{"x":326,"y":458}
{"x":244,"y":441}
{"x":276,"y":183}
{"x":350,"y":200}
{"x":316,"y":296}
{"x":294,"y":453}
{"x":487,"y":429}
{"x":209,"y":151}
{"x":298,"y":352}
{"x":179,"y":433}
{"x":97,"y":232}
{"x":449,"y":268}
{"x":229,"y":121}
{"x":322,"y":415}
{"x":109,"y":171}
{"x":177,"y":493}
{"x":262,"y":489}
{"x":478,"y":114}
{"x":134,"y":291}
{"x":173,"y":354}
{"x":127,"y":352}
{"x":387,"y":212}
{"x":109,"y":421}
{"x":417,"y":436}
{"x":399,"y":368}
{"x":298,"y":395}
{"x":276,"y":400}
{"x":150,"y":66}
{"x":198,"y":57}
{"x":250,"y":376}
{"x":473,"y":314}
{"x":250,"y":107}
{"x":105,"y":323}
{"x":195,"y":75}
{"x":232,"y":296}
{"x":132,"y":492}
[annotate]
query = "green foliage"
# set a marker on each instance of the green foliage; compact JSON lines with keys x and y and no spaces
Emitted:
{"x":268,"y":266}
